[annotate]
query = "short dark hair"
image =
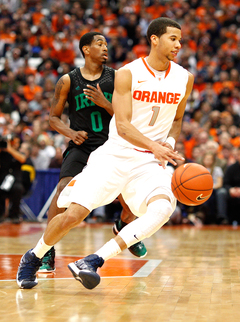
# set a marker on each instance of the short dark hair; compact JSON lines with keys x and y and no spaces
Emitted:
{"x":159,"y":26}
{"x":87,"y":39}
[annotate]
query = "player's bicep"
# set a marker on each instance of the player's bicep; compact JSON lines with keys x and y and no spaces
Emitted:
{"x":122,"y":98}
{"x":60,"y":96}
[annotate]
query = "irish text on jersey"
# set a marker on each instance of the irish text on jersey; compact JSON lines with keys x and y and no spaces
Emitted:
{"x":83,"y":102}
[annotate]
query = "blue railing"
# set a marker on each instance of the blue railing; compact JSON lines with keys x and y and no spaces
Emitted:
{"x":46,"y":181}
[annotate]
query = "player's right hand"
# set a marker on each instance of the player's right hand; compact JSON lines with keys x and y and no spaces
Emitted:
{"x":164,"y":154}
{"x":79,"y":137}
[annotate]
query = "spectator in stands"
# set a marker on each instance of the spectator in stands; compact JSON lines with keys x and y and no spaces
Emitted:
{"x":5,"y":106}
{"x":45,"y":57}
{"x":11,"y":184}
{"x":37,"y":15}
{"x":31,"y":88}
{"x":142,"y":48}
{"x":35,"y":104}
{"x":10,"y":84}
{"x":27,"y":168}
{"x":232,"y":184}
{"x":64,"y":53}
{"x":215,"y":210}
{"x":213,"y":147}
{"x":5,"y":70}
{"x":59,"y":20}
{"x":46,"y":148}
{"x":15,"y":60}
{"x":39,"y":159}
{"x":47,"y":72}
{"x":56,"y":161}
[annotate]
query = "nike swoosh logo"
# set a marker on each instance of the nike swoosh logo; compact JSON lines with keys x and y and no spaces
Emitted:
{"x":141,"y":81}
{"x":200,"y":197}
{"x":135,"y":237}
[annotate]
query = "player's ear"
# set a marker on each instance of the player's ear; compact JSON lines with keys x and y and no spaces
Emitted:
{"x":154,"y":39}
{"x":85,"y":49}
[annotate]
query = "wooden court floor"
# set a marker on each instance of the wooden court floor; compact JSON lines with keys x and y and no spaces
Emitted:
{"x":189,"y":275}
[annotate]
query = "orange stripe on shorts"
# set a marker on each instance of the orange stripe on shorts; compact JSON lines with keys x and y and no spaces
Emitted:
{"x":71,"y":183}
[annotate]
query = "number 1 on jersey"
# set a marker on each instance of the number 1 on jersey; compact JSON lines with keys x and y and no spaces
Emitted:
{"x":155,"y":115}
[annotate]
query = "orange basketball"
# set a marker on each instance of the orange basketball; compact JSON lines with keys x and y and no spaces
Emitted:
{"x":192,"y":184}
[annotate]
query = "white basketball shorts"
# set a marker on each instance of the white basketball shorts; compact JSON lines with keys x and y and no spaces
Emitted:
{"x":113,"y":169}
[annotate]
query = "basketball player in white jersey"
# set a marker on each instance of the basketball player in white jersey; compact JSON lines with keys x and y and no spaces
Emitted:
{"x":149,"y":101}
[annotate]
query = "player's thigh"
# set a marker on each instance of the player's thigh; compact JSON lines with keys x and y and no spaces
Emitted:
{"x":148,"y":181}
{"x":73,"y":162}
{"x":98,"y":184}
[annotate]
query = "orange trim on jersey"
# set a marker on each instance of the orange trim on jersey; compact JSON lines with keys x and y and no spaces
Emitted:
{"x":168,"y":70}
{"x":71,"y":183}
{"x":148,"y":67}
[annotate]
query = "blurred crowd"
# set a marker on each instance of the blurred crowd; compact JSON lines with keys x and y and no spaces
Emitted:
{"x":49,"y":31}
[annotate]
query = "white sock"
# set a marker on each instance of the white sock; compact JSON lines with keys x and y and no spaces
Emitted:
{"x":41,"y":248}
{"x":109,"y":250}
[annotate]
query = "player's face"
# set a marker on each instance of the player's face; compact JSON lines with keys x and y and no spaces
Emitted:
{"x":169,"y":43}
{"x":98,"y":49}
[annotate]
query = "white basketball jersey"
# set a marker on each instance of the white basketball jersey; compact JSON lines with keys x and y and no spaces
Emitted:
{"x":154,"y":100}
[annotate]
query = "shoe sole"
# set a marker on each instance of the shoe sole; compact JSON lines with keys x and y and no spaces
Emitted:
{"x":88,"y":279}
{"x":46,"y":271}
{"x":135,"y":254}
{"x":115,"y":230}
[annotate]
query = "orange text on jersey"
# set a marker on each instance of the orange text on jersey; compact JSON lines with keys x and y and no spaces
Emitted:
{"x":156,"y":97}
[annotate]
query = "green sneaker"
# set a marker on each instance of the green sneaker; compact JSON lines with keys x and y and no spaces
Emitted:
{"x":48,"y":262}
{"x":137,"y":249}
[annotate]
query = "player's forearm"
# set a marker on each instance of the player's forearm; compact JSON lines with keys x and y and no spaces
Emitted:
{"x":128,"y":132}
{"x":57,"y":124}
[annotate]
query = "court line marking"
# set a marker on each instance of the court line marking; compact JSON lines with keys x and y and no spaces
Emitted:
{"x":82,"y":256}
{"x":144,"y":271}
{"x":147,"y":268}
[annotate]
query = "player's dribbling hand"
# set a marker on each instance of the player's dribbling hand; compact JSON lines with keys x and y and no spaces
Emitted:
{"x":79,"y":137}
{"x":165,"y":154}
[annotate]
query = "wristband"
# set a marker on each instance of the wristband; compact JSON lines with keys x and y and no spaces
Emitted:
{"x":170,"y":140}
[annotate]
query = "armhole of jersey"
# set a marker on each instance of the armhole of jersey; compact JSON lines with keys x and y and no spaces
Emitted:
{"x":70,"y":89}
{"x":113,"y":71}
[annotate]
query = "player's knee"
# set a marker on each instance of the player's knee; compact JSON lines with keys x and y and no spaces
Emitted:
{"x":73,"y":216}
{"x":159,"y":213}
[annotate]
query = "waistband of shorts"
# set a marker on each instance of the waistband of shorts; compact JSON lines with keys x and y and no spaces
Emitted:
{"x":144,"y":151}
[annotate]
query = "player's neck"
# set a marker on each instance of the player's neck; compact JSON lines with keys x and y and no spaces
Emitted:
{"x":91,"y":71}
{"x":157,"y":64}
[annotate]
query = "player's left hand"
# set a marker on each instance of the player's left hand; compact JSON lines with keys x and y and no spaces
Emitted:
{"x":96,"y":95}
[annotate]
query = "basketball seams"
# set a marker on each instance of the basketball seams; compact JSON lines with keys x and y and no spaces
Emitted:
{"x":182,"y":183}
{"x":193,"y":201}
{"x":200,"y":175}
{"x":183,"y":172}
